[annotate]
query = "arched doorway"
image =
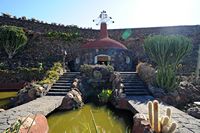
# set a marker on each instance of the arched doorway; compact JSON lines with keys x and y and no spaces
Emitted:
{"x":102,"y":59}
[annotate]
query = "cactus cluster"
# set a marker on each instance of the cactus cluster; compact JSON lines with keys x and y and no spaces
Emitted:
{"x":167,"y":53}
{"x":159,"y":124}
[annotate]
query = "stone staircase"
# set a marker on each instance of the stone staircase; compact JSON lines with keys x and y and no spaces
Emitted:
{"x":63,"y":85}
{"x":133,"y":85}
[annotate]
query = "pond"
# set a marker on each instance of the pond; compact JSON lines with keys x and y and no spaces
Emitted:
{"x":91,"y":119}
{"x":5,"y":98}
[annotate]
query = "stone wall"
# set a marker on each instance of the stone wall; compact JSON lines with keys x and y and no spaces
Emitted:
{"x":118,"y":58}
{"x":43,"y":48}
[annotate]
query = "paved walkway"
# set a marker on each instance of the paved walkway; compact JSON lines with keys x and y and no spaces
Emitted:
{"x":43,"y":105}
{"x":186,"y":123}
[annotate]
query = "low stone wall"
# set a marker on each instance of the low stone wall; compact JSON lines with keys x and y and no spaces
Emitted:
{"x":43,"y":105}
{"x":186,"y":123}
{"x":11,"y":86}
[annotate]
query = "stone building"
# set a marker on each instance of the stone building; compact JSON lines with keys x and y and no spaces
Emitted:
{"x":104,"y":51}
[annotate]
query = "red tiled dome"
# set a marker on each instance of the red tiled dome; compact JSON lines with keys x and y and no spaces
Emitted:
{"x":104,"y":43}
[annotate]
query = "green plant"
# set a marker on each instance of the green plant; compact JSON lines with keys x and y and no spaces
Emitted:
{"x":12,"y":38}
{"x":67,"y":36}
{"x":87,"y":69}
{"x":53,"y":74}
{"x":105,"y":95}
{"x":167,"y":52}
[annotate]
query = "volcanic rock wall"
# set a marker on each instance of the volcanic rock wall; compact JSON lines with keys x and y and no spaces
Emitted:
{"x":42,"y":48}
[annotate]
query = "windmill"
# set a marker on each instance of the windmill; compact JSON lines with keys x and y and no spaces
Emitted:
{"x":103,"y":18}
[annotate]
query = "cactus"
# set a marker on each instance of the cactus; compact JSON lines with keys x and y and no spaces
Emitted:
{"x":165,"y":129}
{"x":165,"y":121}
{"x":150,"y":112}
{"x":156,"y":112}
{"x":160,"y":124}
{"x":167,"y":52}
{"x":169,"y":113}
{"x":172,"y":127}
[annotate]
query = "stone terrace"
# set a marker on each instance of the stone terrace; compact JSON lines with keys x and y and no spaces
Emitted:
{"x":186,"y":123}
{"x":43,"y":105}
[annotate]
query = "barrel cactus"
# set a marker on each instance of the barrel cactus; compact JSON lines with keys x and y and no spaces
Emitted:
{"x":167,"y":52}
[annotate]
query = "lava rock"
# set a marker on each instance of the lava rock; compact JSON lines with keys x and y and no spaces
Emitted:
{"x":194,"y":111}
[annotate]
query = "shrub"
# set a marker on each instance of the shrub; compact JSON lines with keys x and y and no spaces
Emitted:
{"x":146,"y":72}
{"x":167,"y":52}
{"x":30,"y":74}
{"x":89,"y":70}
{"x":12,"y":39}
{"x":67,"y":36}
{"x":53,"y":74}
{"x":105,"y":95}
{"x":86,"y":69}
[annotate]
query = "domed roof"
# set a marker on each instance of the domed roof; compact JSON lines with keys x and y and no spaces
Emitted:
{"x":104,"y":41}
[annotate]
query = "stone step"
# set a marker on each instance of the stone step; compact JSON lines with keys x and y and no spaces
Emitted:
{"x":60,"y":87}
{"x":68,"y":79}
{"x":62,"y":83}
{"x":68,"y":76}
{"x":135,"y":90}
{"x":128,"y":72}
{"x":136,"y":93}
{"x":135,"y":87}
{"x":133,"y":84}
{"x":59,"y":90}
{"x":131,"y":79}
{"x":56,"y":93}
{"x":71,"y":74}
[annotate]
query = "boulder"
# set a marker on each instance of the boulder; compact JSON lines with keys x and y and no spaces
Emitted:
{"x":73,"y":99}
{"x":186,"y":92}
{"x":37,"y":124}
{"x":194,"y":111}
{"x":30,"y":92}
{"x":141,"y":125}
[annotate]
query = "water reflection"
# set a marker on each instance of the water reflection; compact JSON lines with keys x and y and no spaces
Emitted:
{"x":90,"y":119}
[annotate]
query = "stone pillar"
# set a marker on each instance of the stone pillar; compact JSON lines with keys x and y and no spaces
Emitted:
{"x":103,"y":30}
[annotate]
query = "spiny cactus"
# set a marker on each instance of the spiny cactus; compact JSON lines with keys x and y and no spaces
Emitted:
{"x":150,"y":109}
{"x":167,"y":52}
{"x":159,"y":124}
{"x":169,"y":113}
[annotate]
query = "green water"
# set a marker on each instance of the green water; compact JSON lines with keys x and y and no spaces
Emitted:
{"x":5,"y":98}
{"x":90,"y":119}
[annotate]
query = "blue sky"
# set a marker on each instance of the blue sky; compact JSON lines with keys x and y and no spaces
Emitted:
{"x":125,"y":13}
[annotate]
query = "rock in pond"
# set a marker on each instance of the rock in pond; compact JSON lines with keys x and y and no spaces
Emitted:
{"x":73,"y":99}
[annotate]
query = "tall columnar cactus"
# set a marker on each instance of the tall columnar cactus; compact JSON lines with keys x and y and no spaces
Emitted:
{"x":167,"y":52}
{"x":150,"y":109}
{"x":156,"y":113}
{"x":12,"y":38}
{"x":169,"y":112}
{"x":160,"y":124}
